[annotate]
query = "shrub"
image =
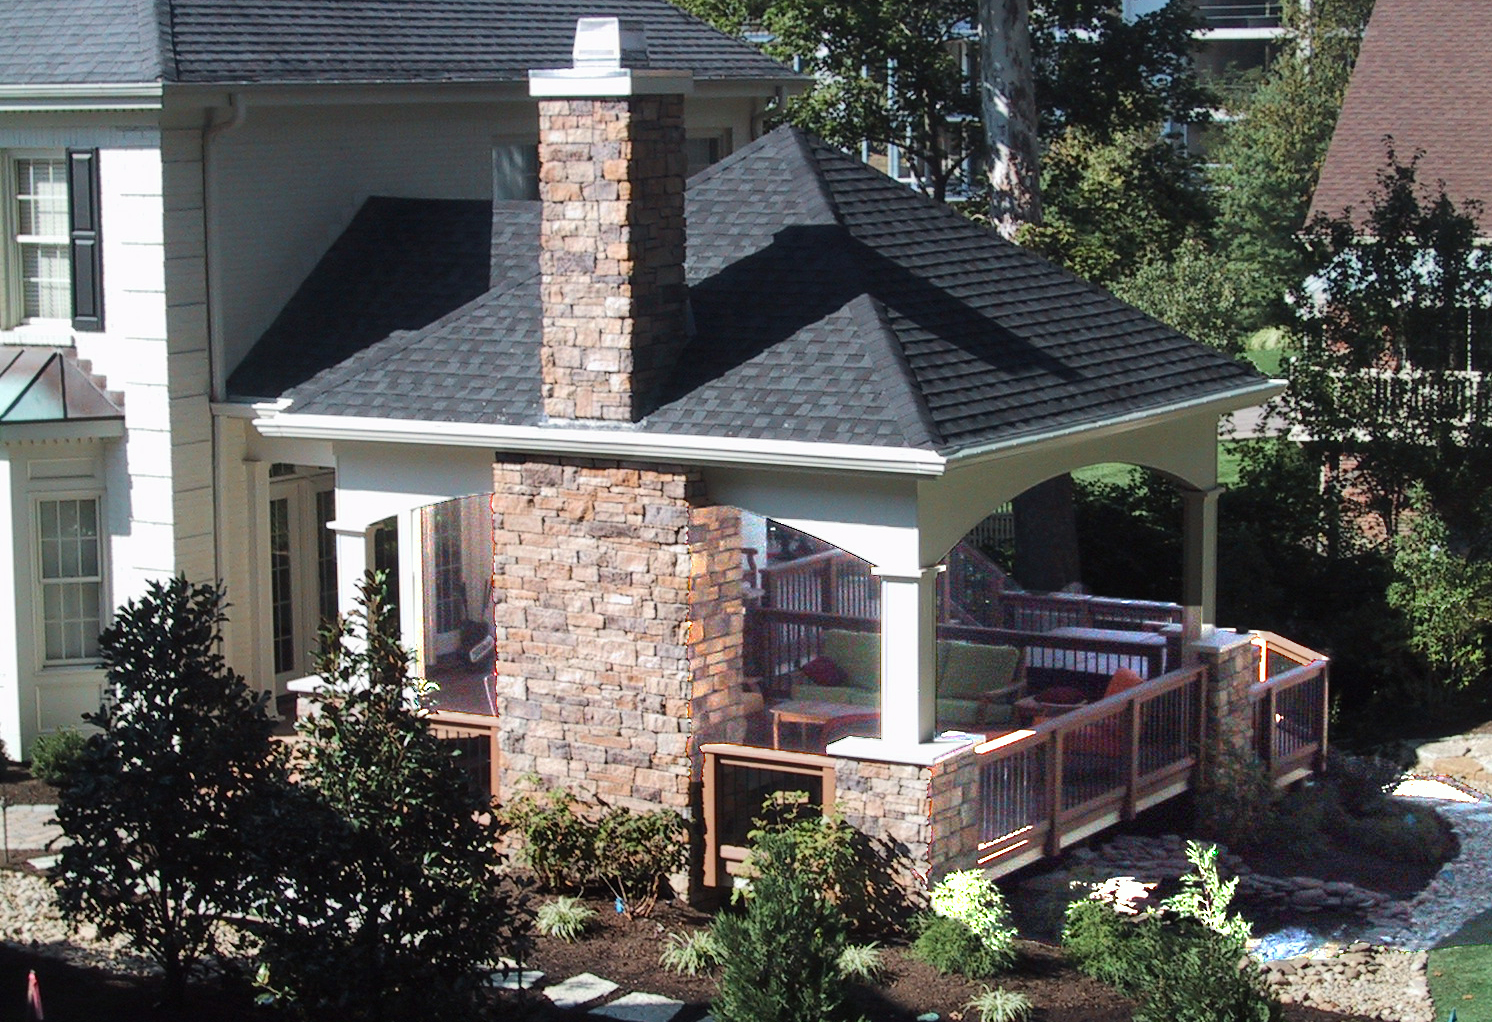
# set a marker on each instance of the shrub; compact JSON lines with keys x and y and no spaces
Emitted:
{"x":635,"y":854}
{"x":973,"y":899}
{"x":1000,"y":1005}
{"x":690,"y":954}
{"x":559,"y":840}
{"x":54,"y":756}
{"x":393,"y":904}
{"x":949,"y":946}
{"x":1186,"y":963}
{"x":565,"y":917}
{"x":788,"y":918}
{"x":861,"y":963}
{"x":164,"y":800}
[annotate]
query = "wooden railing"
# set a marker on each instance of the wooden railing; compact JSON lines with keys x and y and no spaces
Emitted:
{"x":737,"y":779}
{"x":783,"y":640}
{"x":1458,"y":396}
{"x":1292,"y":708}
{"x":474,"y":737}
{"x":1044,"y":788}
{"x":831,"y":582}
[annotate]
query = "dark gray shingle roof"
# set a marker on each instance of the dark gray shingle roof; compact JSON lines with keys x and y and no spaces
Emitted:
{"x":830,"y":304}
{"x":304,"y":41}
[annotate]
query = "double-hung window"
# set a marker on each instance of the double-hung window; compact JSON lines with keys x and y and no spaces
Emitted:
{"x":71,"y":578}
{"x":52,"y":259}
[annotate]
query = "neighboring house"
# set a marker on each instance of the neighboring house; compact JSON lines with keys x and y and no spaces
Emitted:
{"x":360,"y":326}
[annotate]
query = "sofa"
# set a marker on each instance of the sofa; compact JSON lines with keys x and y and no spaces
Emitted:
{"x":977,"y":684}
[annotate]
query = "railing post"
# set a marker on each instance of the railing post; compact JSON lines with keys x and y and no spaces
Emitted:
{"x":1130,"y":797}
{"x":1054,"y":794}
{"x":1269,"y":735}
{"x":1325,"y":719}
{"x":709,"y":794}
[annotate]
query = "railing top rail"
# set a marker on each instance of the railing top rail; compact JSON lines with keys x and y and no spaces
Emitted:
{"x":778,"y":757}
{"x":1285,"y":647}
{"x":1289,"y":679}
{"x":1099,"y":710}
{"x":810,"y":561}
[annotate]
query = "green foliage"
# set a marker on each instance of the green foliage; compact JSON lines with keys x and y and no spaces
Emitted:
{"x":163,"y":803}
{"x":1114,"y":201}
{"x":1000,"y":1005}
{"x":1185,"y":962}
{"x":1445,"y":597}
{"x":636,"y":853}
{"x":690,"y":954}
{"x":54,"y":756}
{"x":950,"y":946}
{"x":570,"y":844}
{"x":392,"y":903}
{"x":1196,"y":290}
{"x":861,"y":963}
{"x":1272,"y":151}
{"x":559,"y":839}
{"x":789,"y":917}
{"x":565,"y":917}
{"x":973,"y":899}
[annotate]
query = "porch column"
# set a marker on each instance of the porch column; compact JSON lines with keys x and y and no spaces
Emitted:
{"x":1198,"y":561}
{"x":354,"y":558}
{"x":909,"y":621}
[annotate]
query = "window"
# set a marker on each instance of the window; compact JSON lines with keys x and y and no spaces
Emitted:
{"x":302,"y":564}
{"x":71,"y":578}
{"x":52,"y":257}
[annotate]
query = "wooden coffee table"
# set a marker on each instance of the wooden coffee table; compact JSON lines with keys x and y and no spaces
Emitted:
{"x":810,"y":712}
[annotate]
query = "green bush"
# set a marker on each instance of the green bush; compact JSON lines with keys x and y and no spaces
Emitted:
{"x":1000,"y":1005}
{"x":565,"y":917}
{"x":164,"y":805}
{"x":949,"y":946}
{"x":780,"y":957}
{"x":392,"y":902}
{"x":559,"y":840}
{"x":861,"y":963}
{"x":1185,"y":963}
{"x":54,"y":756}
{"x":690,"y":954}
{"x":637,"y":852}
{"x":974,"y":900}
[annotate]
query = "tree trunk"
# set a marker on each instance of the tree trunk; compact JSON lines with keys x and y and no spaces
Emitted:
{"x":1046,"y":535}
{"x":1007,"y":101}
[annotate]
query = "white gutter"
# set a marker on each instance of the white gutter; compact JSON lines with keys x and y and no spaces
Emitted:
{"x":1215,"y":405}
{"x":604,"y":443}
{"x":123,"y":96}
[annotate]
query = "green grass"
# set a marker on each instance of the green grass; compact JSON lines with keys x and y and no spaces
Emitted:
{"x":1118,"y":473}
{"x":1461,"y":979}
{"x":1267,"y":350}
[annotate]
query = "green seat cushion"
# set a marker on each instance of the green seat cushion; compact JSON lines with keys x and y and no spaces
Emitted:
{"x":858,"y":654}
{"x":966,"y":670}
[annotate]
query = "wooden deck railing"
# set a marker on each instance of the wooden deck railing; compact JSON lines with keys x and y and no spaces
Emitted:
{"x":1044,"y":788}
{"x":783,"y":640}
{"x":737,"y":779}
{"x":1292,"y":708}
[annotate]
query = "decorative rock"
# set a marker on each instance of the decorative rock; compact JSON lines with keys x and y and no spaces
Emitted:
{"x":508,"y":976}
{"x":641,"y":1008}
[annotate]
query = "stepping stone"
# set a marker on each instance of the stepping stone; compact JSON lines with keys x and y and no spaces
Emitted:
{"x":44,"y":862}
{"x":641,"y":1008}
{"x":509,"y":977}
{"x":578,"y":990}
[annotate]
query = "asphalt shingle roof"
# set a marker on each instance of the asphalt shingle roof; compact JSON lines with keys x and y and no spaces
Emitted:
{"x":307,"y":41}
{"x":1421,"y":77}
{"x":830,"y":304}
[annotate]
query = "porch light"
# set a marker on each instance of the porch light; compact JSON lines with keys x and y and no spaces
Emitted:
{"x":610,"y":43}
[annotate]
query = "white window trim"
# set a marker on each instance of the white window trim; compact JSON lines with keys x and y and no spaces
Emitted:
{"x":105,"y":610}
{"x":12,"y":301}
{"x":299,"y":488}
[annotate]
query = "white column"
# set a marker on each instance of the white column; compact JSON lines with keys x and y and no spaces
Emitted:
{"x":908,"y":657}
{"x":19,"y":586}
{"x":354,"y":557}
{"x":1199,"y":561}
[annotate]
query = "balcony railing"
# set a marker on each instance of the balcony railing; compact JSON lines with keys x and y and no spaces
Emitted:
{"x":1240,"y":15}
{"x":1292,"y":705}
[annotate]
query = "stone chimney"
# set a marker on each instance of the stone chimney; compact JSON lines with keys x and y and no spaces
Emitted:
{"x":611,"y":178}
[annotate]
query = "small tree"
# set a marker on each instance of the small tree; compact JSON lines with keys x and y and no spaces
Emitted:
{"x":393,"y":906}
{"x":159,"y":809}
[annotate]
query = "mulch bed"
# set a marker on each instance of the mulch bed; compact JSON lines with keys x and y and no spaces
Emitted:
{"x":19,"y":788}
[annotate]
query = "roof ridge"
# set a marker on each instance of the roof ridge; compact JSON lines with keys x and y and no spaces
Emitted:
{"x":165,"y":36}
{"x":910,"y":407}
{"x":807,"y":143}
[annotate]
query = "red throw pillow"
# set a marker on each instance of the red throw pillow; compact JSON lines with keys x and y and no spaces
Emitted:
{"x":823,"y":671}
{"x":1123,"y":680}
{"x":1061,"y":696}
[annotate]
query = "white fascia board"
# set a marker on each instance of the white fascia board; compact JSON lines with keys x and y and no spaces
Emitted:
{"x":62,"y":429}
{"x":605,"y":83}
{"x":122,"y":96}
{"x":1216,"y":405}
{"x":631,"y":445}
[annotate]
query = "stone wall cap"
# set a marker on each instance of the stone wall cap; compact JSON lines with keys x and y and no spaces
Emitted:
{"x":608,"y":83}
{"x":924,"y":754}
{"x":1222,"y":640}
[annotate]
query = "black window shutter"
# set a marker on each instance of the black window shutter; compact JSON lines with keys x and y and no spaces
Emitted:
{"x":87,"y":253}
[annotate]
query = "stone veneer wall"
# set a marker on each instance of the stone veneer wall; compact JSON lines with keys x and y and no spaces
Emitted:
{"x":611,"y":177}
{"x":619,"y":607}
{"x":955,"y":813}
{"x":1232,"y":662}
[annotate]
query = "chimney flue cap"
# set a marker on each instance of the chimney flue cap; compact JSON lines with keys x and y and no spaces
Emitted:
{"x":610,"y":43}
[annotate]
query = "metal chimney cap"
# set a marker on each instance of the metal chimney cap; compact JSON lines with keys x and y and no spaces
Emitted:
{"x":610,"y":43}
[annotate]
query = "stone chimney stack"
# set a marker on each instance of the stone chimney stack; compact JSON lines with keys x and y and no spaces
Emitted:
{"x":611,"y":178}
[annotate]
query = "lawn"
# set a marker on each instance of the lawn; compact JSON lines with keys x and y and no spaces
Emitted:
{"x":1461,"y":972}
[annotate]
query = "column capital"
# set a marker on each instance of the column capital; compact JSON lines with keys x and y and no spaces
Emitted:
{"x":903,"y":573}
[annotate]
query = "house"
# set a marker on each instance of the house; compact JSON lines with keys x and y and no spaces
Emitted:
{"x":558,"y":395}
{"x":171,"y":172}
